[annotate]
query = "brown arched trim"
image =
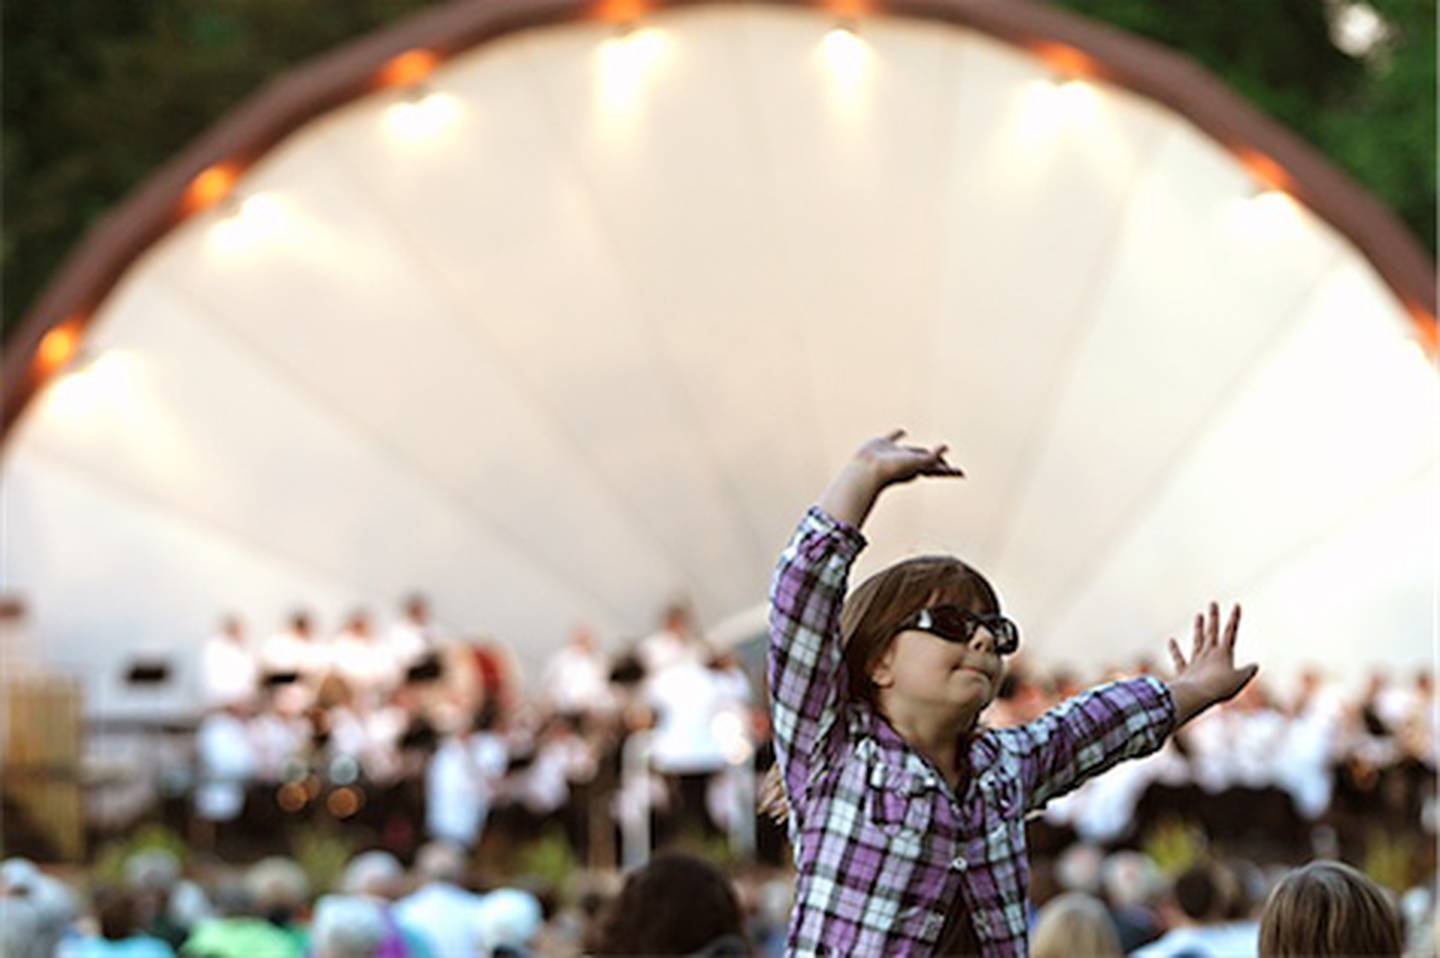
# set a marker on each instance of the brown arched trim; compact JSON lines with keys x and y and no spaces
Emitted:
{"x":1073,"y":44}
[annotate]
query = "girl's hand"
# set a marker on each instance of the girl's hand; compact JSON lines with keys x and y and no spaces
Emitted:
{"x":1210,"y":676}
{"x":879,"y":463}
{"x":892,"y":463}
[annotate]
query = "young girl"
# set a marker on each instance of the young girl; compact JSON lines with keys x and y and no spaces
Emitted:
{"x":908,"y":822}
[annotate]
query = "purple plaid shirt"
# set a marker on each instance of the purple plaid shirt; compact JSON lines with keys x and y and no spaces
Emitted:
{"x":883,"y":846}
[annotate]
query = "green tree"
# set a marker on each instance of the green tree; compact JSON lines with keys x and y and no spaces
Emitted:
{"x":100,"y":93}
{"x":1374,"y":117}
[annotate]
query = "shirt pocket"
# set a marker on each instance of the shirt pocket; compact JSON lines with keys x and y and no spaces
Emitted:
{"x":898,"y":802}
{"x":1002,"y":796}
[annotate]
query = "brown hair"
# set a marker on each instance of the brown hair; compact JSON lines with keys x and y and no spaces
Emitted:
{"x":1329,"y":908}
{"x":675,"y":905}
{"x":870,"y":620}
{"x":875,"y":609}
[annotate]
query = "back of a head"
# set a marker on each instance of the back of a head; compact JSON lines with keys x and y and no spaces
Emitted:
{"x":1130,"y":879}
{"x":508,"y":920}
{"x":1198,"y":894}
{"x":152,"y":870}
{"x":676,"y":905}
{"x":277,"y":884}
{"x":115,"y":912}
{"x":1329,"y":908}
{"x":346,"y":926}
{"x":374,"y":873}
{"x":1074,"y":924}
{"x":440,"y":862}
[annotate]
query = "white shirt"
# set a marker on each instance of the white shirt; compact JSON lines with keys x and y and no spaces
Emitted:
{"x":689,"y":699}
{"x":274,"y":740}
{"x":229,"y":673}
{"x":227,"y":765}
{"x":1240,"y":940}
{"x":663,"y":650}
{"x":288,"y":652}
{"x":446,"y":915}
{"x":369,"y":668}
{"x":1257,"y":740}
{"x":1303,"y":764}
{"x":577,"y":680}
{"x":407,"y":643}
{"x":459,"y":785}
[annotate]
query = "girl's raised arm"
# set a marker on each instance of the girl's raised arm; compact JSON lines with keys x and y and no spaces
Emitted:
{"x":806,"y":657}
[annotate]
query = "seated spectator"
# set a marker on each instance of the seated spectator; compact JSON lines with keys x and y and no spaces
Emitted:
{"x":1074,"y":924}
{"x":350,"y":927}
{"x":280,"y":892}
{"x":238,"y":931}
{"x":1329,"y":908}
{"x":376,"y":877}
{"x":441,"y":911}
{"x":509,"y":921}
{"x":120,"y":935}
{"x":1132,"y":883}
{"x":676,"y":905}
{"x":1195,"y":916}
{"x":151,"y":876}
{"x":35,"y":911}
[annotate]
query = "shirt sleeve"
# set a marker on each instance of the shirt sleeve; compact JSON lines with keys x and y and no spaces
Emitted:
{"x":1088,"y":734}
{"x":808,"y":684}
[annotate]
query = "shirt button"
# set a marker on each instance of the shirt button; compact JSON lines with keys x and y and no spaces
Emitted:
{"x":959,"y":864}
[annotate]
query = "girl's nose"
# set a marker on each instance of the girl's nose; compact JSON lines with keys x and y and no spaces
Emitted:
{"x":982,"y":640}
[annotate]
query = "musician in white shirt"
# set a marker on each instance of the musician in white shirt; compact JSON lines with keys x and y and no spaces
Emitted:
{"x":413,"y":637}
{"x":295,"y":649}
{"x":367,"y":666}
{"x":229,"y":672}
{"x":577,"y":678}
{"x":461,"y":779}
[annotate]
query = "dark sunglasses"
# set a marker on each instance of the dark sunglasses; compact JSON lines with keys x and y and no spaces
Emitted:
{"x":954,"y":623}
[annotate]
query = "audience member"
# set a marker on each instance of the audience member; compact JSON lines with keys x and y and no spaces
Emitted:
{"x":1074,"y":924}
{"x":1329,"y":908}
{"x":440,"y":910}
{"x":676,"y":905}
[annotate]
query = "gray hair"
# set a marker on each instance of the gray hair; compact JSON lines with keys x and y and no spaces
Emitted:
{"x":440,"y":861}
{"x":372,"y":873}
{"x":347,"y":926}
{"x":277,"y":882}
{"x":153,"y":869}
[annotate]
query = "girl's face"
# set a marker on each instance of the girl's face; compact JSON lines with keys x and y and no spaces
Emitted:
{"x":925,"y":670}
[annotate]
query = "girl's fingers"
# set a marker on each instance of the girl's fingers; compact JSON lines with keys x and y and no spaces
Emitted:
{"x":894,"y":435}
{"x":1232,"y":628}
{"x":1176,"y":657}
{"x":1199,"y":637}
{"x":1212,"y":629}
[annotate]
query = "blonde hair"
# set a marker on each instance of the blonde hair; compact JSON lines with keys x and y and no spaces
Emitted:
{"x":1075,"y":924}
{"x":1329,"y":908}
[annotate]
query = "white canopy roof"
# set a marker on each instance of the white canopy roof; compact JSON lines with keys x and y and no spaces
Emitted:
{"x":588,"y":324}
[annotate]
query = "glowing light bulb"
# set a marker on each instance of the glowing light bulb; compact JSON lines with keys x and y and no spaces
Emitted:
{"x":424,"y":115}
{"x":249,"y":223}
{"x":626,"y":66}
{"x":846,"y":59}
{"x":1264,"y":218}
